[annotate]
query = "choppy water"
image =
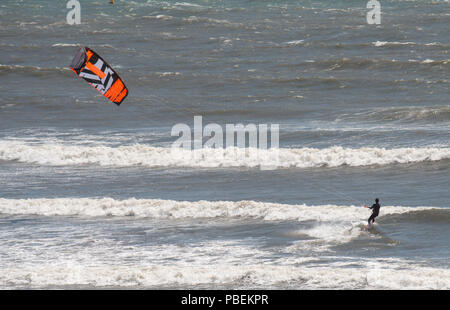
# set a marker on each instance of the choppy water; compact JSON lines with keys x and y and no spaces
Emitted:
{"x":92,"y":196}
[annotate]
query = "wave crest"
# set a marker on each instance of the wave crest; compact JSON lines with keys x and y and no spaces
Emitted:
{"x":438,"y":113}
{"x":171,"y":209}
{"x":148,"y":156}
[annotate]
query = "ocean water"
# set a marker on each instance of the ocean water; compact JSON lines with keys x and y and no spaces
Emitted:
{"x":93,"y":196}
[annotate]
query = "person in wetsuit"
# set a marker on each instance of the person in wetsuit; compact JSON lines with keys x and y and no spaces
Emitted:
{"x":375,"y":211}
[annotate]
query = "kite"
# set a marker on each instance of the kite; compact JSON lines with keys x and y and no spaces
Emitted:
{"x":88,"y":65}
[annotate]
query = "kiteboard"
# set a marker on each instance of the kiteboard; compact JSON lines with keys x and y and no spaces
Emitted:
{"x":371,"y":227}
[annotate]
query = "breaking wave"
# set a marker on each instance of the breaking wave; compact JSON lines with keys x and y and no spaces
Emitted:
{"x":437,"y":114}
{"x":171,"y":209}
{"x":148,"y":156}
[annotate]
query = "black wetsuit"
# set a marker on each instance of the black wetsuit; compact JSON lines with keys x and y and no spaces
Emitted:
{"x":375,"y":210}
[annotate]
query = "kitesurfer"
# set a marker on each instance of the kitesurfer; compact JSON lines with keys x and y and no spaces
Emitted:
{"x":375,"y":211}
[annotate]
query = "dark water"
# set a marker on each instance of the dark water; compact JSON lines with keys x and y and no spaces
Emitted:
{"x":91,"y":195}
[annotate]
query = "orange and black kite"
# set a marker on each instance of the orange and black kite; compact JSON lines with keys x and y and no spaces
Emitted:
{"x":91,"y":67}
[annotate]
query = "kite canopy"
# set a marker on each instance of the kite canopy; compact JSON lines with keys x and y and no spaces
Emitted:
{"x":91,"y":67}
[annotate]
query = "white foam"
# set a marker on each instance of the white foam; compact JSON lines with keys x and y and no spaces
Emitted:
{"x":189,"y":4}
{"x":386,"y":43}
{"x":295,"y":42}
{"x":168,"y":73}
{"x":168,"y":209}
{"x":160,"y":16}
{"x":145,"y":155}
{"x":65,"y":45}
{"x":431,"y":61}
{"x":375,"y":275}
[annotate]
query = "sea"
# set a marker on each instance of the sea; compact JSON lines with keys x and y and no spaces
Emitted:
{"x":95,"y":195}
